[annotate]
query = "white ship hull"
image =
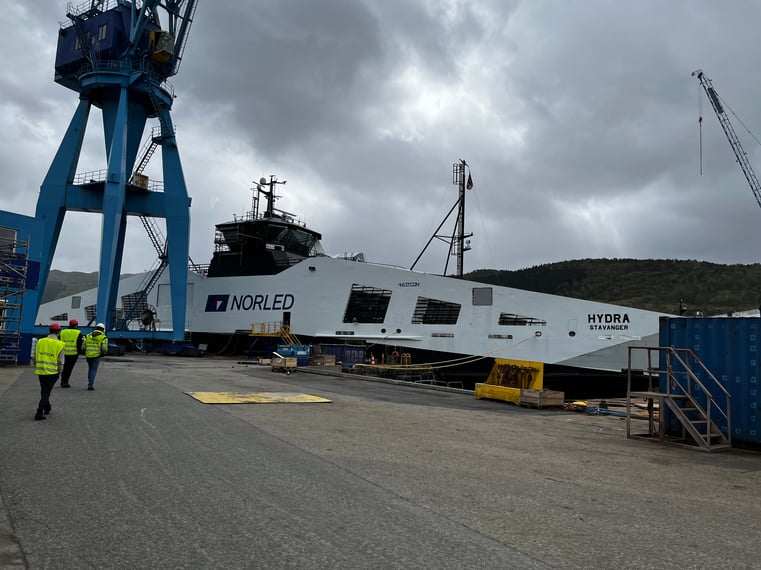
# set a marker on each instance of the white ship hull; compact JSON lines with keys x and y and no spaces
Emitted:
{"x":313,"y":296}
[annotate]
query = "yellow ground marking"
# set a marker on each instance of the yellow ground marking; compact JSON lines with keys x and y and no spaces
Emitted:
{"x":255,"y":398}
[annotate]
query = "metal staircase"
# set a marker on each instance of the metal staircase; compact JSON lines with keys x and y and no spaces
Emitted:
{"x":289,"y":338}
{"x":693,"y":408}
{"x":149,"y":148}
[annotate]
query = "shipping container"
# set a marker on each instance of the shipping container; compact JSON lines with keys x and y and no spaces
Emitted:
{"x":730,"y":348}
{"x":301,"y":352}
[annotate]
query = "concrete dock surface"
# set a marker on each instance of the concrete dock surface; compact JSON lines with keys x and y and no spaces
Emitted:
{"x":138,"y":474}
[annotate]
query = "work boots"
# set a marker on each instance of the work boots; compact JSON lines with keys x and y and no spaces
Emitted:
{"x":39,"y":415}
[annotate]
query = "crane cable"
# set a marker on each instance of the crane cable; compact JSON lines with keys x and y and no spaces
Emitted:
{"x":700,"y":121}
{"x":723,"y":102}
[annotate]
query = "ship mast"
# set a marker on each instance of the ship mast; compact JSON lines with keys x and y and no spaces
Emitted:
{"x":458,"y":241}
{"x":459,"y":244}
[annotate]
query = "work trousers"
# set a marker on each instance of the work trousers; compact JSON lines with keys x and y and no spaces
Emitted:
{"x":69,"y":361}
{"x":47,"y":382}
{"x":92,"y":370}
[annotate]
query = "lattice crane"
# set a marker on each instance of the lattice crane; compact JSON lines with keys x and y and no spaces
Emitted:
{"x":118,"y":55}
{"x":734,"y":141}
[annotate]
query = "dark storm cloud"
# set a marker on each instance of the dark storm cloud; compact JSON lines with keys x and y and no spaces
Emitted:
{"x":579,"y":121}
{"x":292,"y":72}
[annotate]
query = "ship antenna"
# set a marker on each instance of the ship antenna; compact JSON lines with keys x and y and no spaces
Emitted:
{"x":269,"y":193}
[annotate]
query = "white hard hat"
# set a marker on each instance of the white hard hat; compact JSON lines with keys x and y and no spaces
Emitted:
{"x":100,"y":326}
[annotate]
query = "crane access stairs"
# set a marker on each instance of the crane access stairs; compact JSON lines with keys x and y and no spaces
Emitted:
{"x":685,"y":405}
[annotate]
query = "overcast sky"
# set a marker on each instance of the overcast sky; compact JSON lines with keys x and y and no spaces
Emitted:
{"x":579,"y":121}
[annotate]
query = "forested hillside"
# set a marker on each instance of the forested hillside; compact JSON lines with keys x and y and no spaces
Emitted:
{"x":654,"y":284}
{"x":64,"y":283}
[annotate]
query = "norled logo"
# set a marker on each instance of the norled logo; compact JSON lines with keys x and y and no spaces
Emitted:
{"x":277,"y":302}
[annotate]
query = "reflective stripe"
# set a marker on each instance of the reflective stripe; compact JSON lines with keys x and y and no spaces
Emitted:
{"x":46,"y":356}
{"x":70,"y":336}
{"x":95,"y":346}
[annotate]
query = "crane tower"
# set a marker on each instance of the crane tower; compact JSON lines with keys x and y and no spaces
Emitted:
{"x":118,"y":55}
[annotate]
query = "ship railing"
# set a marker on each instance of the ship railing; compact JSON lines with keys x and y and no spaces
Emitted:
{"x":86,"y":9}
{"x":279,"y":215}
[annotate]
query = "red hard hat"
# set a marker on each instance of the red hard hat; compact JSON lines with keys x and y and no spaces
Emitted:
{"x":73,"y":322}
{"x":54,"y":327}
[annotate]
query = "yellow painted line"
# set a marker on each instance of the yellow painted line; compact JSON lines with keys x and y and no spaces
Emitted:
{"x":255,"y":398}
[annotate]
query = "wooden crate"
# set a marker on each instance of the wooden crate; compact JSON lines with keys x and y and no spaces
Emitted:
{"x":324,"y":360}
{"x":542,"y":398}
{"x":284,"y":363}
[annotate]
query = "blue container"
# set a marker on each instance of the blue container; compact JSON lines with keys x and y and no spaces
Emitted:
{"x":300,"y":352}
{"x":730,"y":348}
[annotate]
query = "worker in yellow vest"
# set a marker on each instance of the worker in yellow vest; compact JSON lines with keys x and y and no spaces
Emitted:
{"x":73,"y":338}
{"x":96,"y":346}
{"x":48,"y":363}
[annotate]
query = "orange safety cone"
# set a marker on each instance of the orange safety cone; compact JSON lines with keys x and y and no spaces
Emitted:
{"x":372,"y":359}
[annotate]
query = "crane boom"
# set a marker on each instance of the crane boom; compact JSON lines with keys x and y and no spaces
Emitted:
{"x":737,"y":148}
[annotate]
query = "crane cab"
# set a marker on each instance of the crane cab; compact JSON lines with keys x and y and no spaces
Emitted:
{"x":94,"y":37}
{"x":161,"y":45}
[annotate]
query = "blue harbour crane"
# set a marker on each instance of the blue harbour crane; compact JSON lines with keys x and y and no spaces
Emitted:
{"x":118,"y":56}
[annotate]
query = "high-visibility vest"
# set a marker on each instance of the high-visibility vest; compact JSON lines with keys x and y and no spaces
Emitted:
{"x":70,"y":337}
{"x":46,"y":356}
{"x":96,"y":345}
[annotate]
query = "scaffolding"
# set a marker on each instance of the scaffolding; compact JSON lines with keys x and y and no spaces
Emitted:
{"x":13,"y":274}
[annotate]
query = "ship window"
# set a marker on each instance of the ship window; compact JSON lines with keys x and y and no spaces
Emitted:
{"x":76,"y":301}
{"x":482,"y":296}
{"x":90,"y":312}
{"x":510,"y":319}
{"x":367,"y":304}
{"x":60,"y":317}
{"x":435,"y":312}
{"x":292,"y":240}
{"x":102,"y":33}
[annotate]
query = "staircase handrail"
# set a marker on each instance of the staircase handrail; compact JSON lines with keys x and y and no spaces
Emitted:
{"x":691,"y":376}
